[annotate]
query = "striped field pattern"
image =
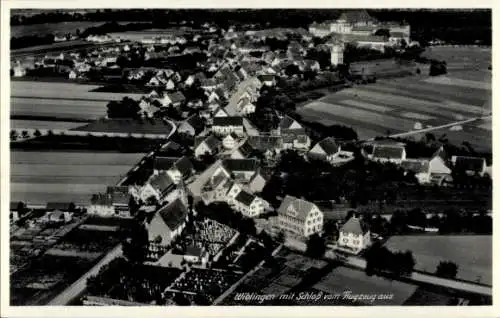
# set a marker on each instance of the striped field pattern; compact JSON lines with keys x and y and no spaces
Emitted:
{"x":403,"y":104}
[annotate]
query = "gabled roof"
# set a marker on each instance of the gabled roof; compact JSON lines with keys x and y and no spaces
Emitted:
{"x":241,"y":164}
{"x":196,"y":122}
{"x":162,"y":183}
{"x":245,"y":198}
{"x":164,"y":163}
{"x":465,"y":163}
{"x":286,"y":122}
{"x":296,"y":208}
{"x":329,"y":146}
{"x":416,"y":166}
{"x":354,"y":226}
{"x":246,"y":149}
{"x":265,"y":143}
{"x":177,"y":97}
{"x":185,"y":166}
{"x":441,"y":153}
{"x":228,"y":121}
{"x":192,"y":250}
{"x":388,"y":151}
{"x":174,"y":214}
{"x":119,"y":194}
{"x":353,"y":16}
{"x":212,"y":142}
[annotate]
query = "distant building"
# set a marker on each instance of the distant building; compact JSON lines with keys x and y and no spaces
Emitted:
{"x":469,"y":165}
{"x":196,"y":255}
{"x":388,"y":153}
{"x":192,"y":126}
{"x":420,"y":167}
{"x":354,"y":235}
{"x":299,"y":217}
{"x":177,"y":168}
{"x":226,"y":125}
{"x":158,"y":186}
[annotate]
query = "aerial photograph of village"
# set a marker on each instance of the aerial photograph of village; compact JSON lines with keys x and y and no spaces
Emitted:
{"x":250,"y":157}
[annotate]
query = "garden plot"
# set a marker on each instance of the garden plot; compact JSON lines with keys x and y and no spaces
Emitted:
{"x":461,"y":83}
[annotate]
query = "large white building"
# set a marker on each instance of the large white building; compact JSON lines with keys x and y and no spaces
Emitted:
{"x":299,"y":217}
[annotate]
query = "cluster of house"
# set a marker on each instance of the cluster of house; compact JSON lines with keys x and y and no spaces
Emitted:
{"x":55,"y":213}
{"x":359,"y":28}
{"x":436,"y":168}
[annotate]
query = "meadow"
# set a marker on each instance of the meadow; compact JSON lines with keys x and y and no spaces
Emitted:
{"x":52,"y":28}
{"x":405,"y":104}
{"x":472,"y":253}
{"x":40,"y":177}
{"x":67,"y":101}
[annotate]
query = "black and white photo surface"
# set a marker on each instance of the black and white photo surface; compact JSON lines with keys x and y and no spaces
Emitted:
{"x":237,"y":157}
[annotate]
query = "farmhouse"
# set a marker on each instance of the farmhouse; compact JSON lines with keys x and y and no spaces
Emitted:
{"x":168,"y":223}
{"x":299,"y":217}
{"x":210,"y":145}
{"x":469,"y":165}
{"x":354,"y":235}
{"x":248,"y":204}
{"x":196,"y":255}
{"x":174,"y":99}
{"x":230,"y":141}
{"x":177,"y":168}
{"x":327,"y":149}
{"x":388,"y":153}
{"x":242,"y":169}
{"x":192,"y":126}
{"x":216,"y":188}
{"x":226,"y":125}
{"x":420,"y":168}
{"x":101,"y":204}
{"x":158,"y":186}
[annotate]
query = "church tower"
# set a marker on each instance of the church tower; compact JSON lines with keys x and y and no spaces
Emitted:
{"x":336,"y":53}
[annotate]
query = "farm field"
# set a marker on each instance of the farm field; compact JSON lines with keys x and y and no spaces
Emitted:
{"x":43,"y":124}
{"x":460,"y":57}
{"x":53,"y":28}
{"x":405,"y":104}
{"x":153,"y":126}
{"x":60,"y":100}
{"x":54,"y":47}
{"x":472,"y":253}
{"x":40,"y":177}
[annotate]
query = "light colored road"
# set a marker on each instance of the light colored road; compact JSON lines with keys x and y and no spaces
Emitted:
{"x":417,"y":277}
{"x":79,"y":286}
{"x":426,"y":130}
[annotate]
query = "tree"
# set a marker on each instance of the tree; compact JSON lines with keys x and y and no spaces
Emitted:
{"x":281,"y":237}
{"x":135,"y":243}
{"x":437,"y":68}
{"x":447,"y":270}
{"x":13,"y":135}
{"x":126,"y":108}
{"x":37,"y":133}
{"x":291,"y":70}
{"x":316,"y":246}
{"x":383,"y":32}
{"x":25,"y":134}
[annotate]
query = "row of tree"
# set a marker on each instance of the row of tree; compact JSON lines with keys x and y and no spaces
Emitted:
{"x":379,"y":259}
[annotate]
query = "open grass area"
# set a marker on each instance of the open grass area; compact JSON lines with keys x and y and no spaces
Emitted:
{"x":472,"y":253}
{"x":60,"y":100}
{"x":40,"y":177}
{"x":52,"y":28}
{"x":140,"y":126}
